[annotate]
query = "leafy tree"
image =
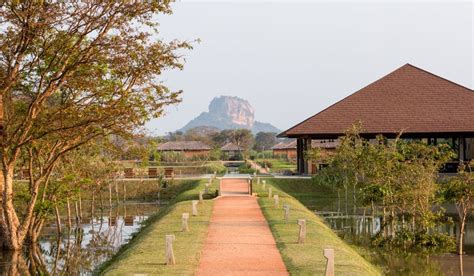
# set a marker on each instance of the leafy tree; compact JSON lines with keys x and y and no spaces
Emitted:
{"x":460,"y":191}
{"x":265,"y":140}
{"x":72,"y":71}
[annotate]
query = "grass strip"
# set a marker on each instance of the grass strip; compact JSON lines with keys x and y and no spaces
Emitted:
{"x":307,"y":258}
{"x":145,"y":253}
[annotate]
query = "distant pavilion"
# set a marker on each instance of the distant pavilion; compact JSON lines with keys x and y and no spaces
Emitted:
{"x":410,"y":100}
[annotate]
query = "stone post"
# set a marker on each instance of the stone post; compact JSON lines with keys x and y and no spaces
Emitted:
{"x":195,"y":210}
{"x":287,"y":212}
{"x":302,"y":234}
{"x":201,"y":200}
{"x":276,"y":199}
{"x":263,"y":184}
{"x":269,"y":192}
{"x":185,"y":218}
{"x":206,"y":189}
{"x":169,"y":250}
{"x":329,"y":255}
{"x":258,"y":180}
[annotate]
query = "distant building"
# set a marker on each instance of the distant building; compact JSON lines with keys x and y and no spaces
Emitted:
{"x":188,"y":148}
{"x":231,"y":151}
{"x":410,"y":100}
{"x":285,"y":149}
{"x":288,"y":149}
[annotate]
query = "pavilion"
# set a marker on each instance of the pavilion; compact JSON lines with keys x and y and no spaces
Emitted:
{"x":409,"y":100}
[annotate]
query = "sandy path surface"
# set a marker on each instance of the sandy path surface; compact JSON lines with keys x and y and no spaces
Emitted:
{"x":239,"y":241}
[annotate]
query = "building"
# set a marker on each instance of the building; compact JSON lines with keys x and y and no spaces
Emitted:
{"x":188,"y":148}
{"x":410,"y":100}
{"x":231,"y":151}
{"x":288,"y":149}
{"x":285,"y":150}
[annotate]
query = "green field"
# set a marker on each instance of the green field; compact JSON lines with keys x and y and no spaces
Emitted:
{"x":277,"y":165}
{"x":307,"y":258}
{"x":145,"y":254}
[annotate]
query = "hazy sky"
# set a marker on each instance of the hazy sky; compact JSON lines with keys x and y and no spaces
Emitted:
{"x":292,"y":59}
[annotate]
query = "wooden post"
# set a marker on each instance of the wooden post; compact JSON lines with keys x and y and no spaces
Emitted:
{"x":302,"y":234}
{"x":169,"y":250}
{"x":195,"y":210}
{"x":201,"y":200}
{"x":269,"y":192}
{"x":329,"y":255}
{"x":276,"y":199}
{"x":287,"y":212}
{"x":185,"y":218}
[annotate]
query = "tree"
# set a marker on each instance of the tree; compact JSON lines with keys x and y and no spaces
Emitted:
{"x":265,"y":140}
{"x":460,"y":191}
{"x":71,"y":71}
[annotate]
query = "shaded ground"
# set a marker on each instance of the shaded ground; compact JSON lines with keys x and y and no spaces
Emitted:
{"x":239,"y":241}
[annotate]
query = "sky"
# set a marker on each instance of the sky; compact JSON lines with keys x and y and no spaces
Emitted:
{"x":292,"y":59}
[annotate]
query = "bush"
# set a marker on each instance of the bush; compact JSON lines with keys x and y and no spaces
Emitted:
{"x":215,"y":167}
{"x":246,"y":168}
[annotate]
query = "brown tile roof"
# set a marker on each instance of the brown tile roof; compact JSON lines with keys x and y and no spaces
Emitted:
{"x":323,"y":144}
{"x":408,"y":99}
{"x":231,"y":147}
{"x":183,"y":145}
{"x":285,"y":145}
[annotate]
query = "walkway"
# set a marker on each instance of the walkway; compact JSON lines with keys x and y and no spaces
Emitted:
{"x":239,"y":241}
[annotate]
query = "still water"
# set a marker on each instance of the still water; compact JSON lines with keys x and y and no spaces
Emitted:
{"x":358,"y":228}
{"x":84,"y":247}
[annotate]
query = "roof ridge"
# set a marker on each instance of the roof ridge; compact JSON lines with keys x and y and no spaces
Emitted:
{"x":437,"y":76}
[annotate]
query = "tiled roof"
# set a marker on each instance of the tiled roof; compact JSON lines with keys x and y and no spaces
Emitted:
{"x":231,"y":147}
{"x":409,"y":99}
{"x":323,"y":144}
{"x":183,"y":145}
{"x":285,"y":145}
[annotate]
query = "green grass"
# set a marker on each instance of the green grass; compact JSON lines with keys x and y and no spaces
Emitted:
{"x":145,"y":253}
{"x":307,"y":258}
{"x":278,"y":165}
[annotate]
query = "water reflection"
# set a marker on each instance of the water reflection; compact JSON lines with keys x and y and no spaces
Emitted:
{"x":359,"y":229}
{"x":81,"y":249}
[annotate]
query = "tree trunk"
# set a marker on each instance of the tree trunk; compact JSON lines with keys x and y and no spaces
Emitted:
{"x":12,"y":239}
{"x":68,"y":206}
{"x":461,"y":236}
{"x":58,"y":219}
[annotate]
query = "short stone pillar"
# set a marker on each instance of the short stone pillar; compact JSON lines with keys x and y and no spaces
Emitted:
{"x":169,"y":250}
{"x":302,"y":233}
{"x":255,"y":174}
{"x":329,"y":255}
{"x":269,"y":192}
{"x":201,"y":199}
{"x":258,"y":180}
{"x":195,"y":209}
{"x":276,"y":201}
{"x":206,"y":189}
{"x":263,"y":184}
{"x":185,"y":218}
{"x":286,"y":207}
{"x":215,"y":173}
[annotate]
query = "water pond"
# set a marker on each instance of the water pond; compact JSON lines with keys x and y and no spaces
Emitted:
{"x":84,"y":247}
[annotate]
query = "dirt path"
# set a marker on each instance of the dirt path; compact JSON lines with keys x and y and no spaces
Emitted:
{"x":239,"y":241}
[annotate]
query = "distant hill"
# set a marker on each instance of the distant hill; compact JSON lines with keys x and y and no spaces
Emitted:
{"x":226,"y":112}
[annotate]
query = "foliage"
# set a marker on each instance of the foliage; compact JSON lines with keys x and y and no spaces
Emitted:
{"x":72,"y":71}
{"x":264,"y":141}
{"x":215,"y":167}
{"x":246,"y":168}
{"x":395,"y":176}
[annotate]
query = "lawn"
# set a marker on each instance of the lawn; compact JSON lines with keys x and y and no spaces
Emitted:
{"x":277,"y":165}
{"x":307,"y":258}
{"x":145,"y":254}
